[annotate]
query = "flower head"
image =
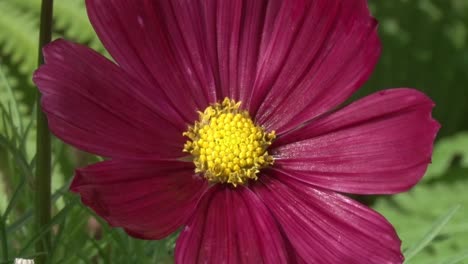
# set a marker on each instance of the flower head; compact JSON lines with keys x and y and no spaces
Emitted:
{"x":223,"y":119}
{"x":226,"y":146}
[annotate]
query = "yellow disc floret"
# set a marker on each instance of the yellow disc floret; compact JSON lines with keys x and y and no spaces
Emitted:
{"x":226,"y":145}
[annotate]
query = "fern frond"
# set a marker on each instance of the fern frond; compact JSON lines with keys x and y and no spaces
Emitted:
{"x":18,"y":37}
{"x":70,"y":20}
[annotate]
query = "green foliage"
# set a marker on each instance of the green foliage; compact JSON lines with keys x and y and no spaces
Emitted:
{"x":19,"y":37}
{"x":446,"y":152}
{"x":70,"y":20}
{"x":425,"y":45}
{"x":18,"y":51}
{"x":438,"y":225}
{"x":412,"y":213}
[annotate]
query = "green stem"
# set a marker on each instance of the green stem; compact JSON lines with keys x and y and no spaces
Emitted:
{"x":4,"y":239}
{"x":43,"y":149}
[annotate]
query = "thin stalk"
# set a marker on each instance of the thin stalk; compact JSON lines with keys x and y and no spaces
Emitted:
{"x":43,"y":149}
{"x":4,"y":239}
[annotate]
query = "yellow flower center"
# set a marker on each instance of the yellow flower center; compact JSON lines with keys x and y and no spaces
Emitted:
{"x":226,"y":145}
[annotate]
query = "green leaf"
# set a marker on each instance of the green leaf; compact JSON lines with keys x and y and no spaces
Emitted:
{"x":414,"y":212}
{"x":445,"y":151}
{"x":12,"y":99}
{"x":456,"y":259}
{"x":431,"y":234}
{"x":59,"y":218}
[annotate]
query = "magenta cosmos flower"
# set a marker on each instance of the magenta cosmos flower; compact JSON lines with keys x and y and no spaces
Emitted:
{"x":221,"y":119}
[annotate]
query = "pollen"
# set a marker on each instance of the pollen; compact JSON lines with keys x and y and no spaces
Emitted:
{"x":227,"y":146}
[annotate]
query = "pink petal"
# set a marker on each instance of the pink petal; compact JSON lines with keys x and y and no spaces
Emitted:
{"x":231,"y":225}
{"x":210,"y":49}
{"x":161,"y":42}
{"x":92,"y":104}
{"x":291,"y":53}
{"x":379,"y":144}
{"x":314,"y":55}
{"x":325,"y":227}
{"x":149,"y":199}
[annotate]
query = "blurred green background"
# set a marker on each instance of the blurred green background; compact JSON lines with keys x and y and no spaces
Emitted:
{"x":425,"y":45}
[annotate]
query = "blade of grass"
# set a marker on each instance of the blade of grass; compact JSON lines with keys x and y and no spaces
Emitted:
{"x":16,"y":114}
{"x":16,"y":137}
{"x":457,"y":259}
{"x":56,"y":241}
{"x":112,"y":232}
{"x":440,"y":223}
{"x":24,"y":137}
{"x":6,"y":131}
{"x":45,"y":229}
{"x":19,"y":223}
{"x":25,"y":170}
{"x":29,"y":214}
{"x":19,"y":158}
{"x":99,"y":250}
{"x":15,"y":197}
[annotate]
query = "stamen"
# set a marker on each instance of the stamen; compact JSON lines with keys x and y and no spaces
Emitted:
{"x":226,"y":145}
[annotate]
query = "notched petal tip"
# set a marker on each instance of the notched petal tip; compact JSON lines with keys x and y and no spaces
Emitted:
{"x":37,"y":74}
{"x":382,"y":144}
{"x":52,"y":52}
{"x":54,"y":48}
